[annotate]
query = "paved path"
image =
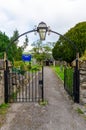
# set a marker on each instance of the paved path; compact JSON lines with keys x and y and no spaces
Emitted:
{"x":57,"y":115}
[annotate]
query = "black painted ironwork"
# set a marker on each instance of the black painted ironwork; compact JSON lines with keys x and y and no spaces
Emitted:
{"x":76,"y":85}
{"x":24,"y":87}
{"x":42,"y":26}
{"x":72,"y":82}
{"x":68,"y":80}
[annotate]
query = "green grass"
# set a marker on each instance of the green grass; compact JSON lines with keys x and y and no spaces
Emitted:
{"x":79,"y":111}
{"x":3,"y":108}
{"x":68,"y":77}
{"x":3,"y":111}
{"x":43,"y":103}
{"x":59,"y":71}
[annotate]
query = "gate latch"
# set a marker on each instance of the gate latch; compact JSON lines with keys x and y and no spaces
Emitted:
{"x":40,"y":82}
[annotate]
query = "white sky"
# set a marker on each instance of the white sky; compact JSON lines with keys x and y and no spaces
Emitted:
{"x":60,"y":15}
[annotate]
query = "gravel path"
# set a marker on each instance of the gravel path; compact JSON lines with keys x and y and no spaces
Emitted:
{"x":57,"y":115}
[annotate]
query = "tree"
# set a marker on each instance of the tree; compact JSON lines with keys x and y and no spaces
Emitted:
{"x":15,"y":35}
{"x":41,"y":51}
{"x":25,"y":42}
{"x":66,"y":50}
{"x":14,"y":52}
{"x":19,"y":54}
{"x":4,"y":41}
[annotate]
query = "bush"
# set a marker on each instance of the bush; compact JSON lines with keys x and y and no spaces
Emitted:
{"x":35,"y":67}
{"x":18,"y":63}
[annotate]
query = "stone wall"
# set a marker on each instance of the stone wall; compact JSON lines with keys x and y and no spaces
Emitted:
{"x":1,"y":86}
{"x":83,"y":82}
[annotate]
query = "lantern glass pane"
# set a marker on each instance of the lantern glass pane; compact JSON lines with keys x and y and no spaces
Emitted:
{"x":42,"y":34}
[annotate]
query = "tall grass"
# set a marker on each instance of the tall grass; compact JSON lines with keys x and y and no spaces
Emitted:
{"x":69,"y":80}
{"x":59,"y":71}
{"x":66,"y":75}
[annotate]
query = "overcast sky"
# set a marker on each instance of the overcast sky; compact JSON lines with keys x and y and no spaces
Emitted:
{"x":22,"y":15}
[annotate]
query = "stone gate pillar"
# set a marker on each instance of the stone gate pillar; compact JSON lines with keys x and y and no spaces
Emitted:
{"x":83,"y":82}
{"x":1,"y":86}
